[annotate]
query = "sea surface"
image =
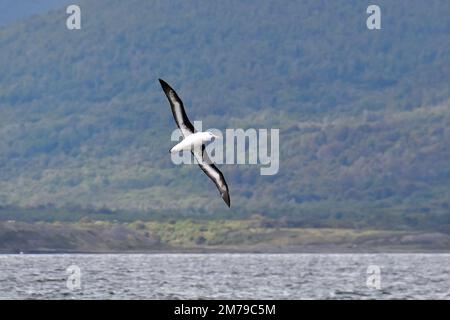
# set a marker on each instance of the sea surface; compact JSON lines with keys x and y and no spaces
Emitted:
{"x":225,"y":276}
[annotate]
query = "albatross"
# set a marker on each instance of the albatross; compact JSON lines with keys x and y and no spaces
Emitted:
{"x":195,"y":142}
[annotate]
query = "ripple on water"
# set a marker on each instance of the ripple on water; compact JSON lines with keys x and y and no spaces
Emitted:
{"x":226,"y":276}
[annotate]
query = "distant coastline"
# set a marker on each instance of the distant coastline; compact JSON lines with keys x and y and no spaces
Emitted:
{"x":220,"y":236}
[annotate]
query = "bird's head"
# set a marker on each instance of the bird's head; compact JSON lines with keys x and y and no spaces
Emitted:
{"x":212,"y":136}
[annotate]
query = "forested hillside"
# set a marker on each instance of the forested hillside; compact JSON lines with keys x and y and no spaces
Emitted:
{"x":363,"y":115}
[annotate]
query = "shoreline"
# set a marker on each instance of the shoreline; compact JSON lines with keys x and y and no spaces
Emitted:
{"x":209,"y":237}
{"x":210,"y":251}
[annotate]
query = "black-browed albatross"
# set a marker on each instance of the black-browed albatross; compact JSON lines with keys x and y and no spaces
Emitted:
{"x":194,"y":141}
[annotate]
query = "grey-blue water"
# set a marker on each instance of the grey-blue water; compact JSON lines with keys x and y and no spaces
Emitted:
{"x":226,"y":276}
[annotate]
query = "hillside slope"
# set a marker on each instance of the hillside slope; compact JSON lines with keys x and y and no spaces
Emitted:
{"x":12,"y":10}
{"x":363,"y":115}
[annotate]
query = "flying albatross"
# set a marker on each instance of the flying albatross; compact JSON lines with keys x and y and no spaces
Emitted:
{"x":194,"y":141}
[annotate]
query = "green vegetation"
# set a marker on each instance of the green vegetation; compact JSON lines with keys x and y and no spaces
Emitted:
{"x":257,"y":234}
{"x":189,"y":233}
{"x":364,"y":116}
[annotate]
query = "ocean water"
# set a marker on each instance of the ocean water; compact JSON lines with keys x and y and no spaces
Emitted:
{"x":225,"y":276}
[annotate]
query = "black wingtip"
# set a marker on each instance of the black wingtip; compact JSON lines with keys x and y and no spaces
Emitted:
{"x":164,"y":84}
{"x":226,"y":198}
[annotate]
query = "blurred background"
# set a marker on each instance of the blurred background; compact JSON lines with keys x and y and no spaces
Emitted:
{"x":364,"y":119}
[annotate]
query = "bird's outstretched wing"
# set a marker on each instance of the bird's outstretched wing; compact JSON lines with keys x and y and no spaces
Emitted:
{"x":200,"y":154}
{"x":212,"y":172}
{"x":178,"y":112}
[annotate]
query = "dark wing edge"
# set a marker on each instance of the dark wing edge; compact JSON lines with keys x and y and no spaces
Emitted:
{"x":221,"y":184}
{"x":214,"y":174}
{"x":179,"y":114}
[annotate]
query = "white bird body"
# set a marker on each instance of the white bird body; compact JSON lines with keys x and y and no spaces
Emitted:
{"x":192,"y":141}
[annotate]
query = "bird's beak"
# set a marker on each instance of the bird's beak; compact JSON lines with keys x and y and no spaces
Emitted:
{"x":216,"y":136}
